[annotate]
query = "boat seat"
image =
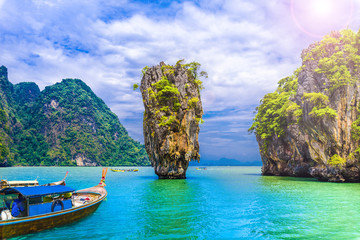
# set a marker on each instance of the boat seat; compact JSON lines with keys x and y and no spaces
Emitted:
{"x":5,"y":215}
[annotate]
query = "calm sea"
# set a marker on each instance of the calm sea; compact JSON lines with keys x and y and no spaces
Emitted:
{"x":218,"y":203}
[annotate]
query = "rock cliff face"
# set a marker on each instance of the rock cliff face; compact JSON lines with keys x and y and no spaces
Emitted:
{"x":173,"y":110}
{"x":310,"y":126}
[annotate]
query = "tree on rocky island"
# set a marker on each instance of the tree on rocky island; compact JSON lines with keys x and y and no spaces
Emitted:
{"x":173,"y":111}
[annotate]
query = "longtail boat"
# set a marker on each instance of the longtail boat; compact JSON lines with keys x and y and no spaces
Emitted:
{"x":29,"y":183}
{"x":32,"y":209}
{"x":62,"y":182}
{"x":201,"y":168}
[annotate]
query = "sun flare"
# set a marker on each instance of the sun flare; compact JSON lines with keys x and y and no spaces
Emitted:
{"x":323,"y":8}
{"x":317,"y":18}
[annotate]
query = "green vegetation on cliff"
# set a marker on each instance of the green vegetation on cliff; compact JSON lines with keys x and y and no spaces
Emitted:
{"x":336,"y":161}
{"x":275,"y":110}
{"x":65,"y":124}
{"x":320,"y":102}
{"x":164,"y":93}
{"x":355,"y":128}
{"x":355,"y":133}
{"x":7,"y":118}
{"x":337,"y":58}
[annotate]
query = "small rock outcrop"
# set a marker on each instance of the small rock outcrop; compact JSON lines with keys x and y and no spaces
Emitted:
{"x":173,"y":110}
{"x":310,"y":126}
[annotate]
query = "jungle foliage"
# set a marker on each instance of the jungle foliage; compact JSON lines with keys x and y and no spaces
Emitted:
{"x":275,"y":109}
{"x":63,"y":123}
{"x":337,"y":57}
{"x":165,"y":94}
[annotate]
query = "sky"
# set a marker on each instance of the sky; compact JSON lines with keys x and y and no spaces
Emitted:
{"x":245,"y":46}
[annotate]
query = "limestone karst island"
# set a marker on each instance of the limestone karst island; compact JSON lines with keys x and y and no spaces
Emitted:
{"x":66,"y":124}
{"x":310,"y":126}
{"x":173,"y":111}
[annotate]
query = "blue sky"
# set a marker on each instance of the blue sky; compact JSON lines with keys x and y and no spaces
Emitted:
{"x":246,"y":46}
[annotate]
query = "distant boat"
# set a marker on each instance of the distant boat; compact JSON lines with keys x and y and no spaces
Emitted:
{"x":31,"y":209}
{"x":62,"y":182}
{"x":29,"y":183}
{"x":201,"y":168}
{"x":125,"y":170}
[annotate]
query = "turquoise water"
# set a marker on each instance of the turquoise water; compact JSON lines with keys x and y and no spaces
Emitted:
{"x":218,"y":203}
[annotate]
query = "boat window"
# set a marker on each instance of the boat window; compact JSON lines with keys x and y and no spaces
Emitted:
{"x":35,"y":200}
{"x":7,"y":199}
{"x":47,"y":199}
{"x":66,"y":195}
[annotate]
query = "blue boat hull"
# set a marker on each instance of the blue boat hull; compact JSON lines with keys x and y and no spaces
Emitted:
{"x":25,"y":225}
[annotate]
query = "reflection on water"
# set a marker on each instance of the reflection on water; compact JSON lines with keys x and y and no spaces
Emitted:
{"x":170,"y":209}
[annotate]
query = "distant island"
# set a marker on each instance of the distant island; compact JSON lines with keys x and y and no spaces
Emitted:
{"x":66,"y":124}
{"x":310,"y":126}
{"x":225,"y":162}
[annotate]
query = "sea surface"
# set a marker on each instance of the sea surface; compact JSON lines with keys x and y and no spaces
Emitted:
{"x":217,"y":203}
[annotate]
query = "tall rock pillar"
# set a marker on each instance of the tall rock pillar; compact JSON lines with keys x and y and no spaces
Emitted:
{"x":173,"y":111}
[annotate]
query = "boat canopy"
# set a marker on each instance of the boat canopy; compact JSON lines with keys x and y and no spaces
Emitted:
{"x":38,"y":190}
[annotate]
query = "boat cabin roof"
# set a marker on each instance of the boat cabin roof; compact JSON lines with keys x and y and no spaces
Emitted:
{"x":38,"y":190}
{"x":21,"y":182}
